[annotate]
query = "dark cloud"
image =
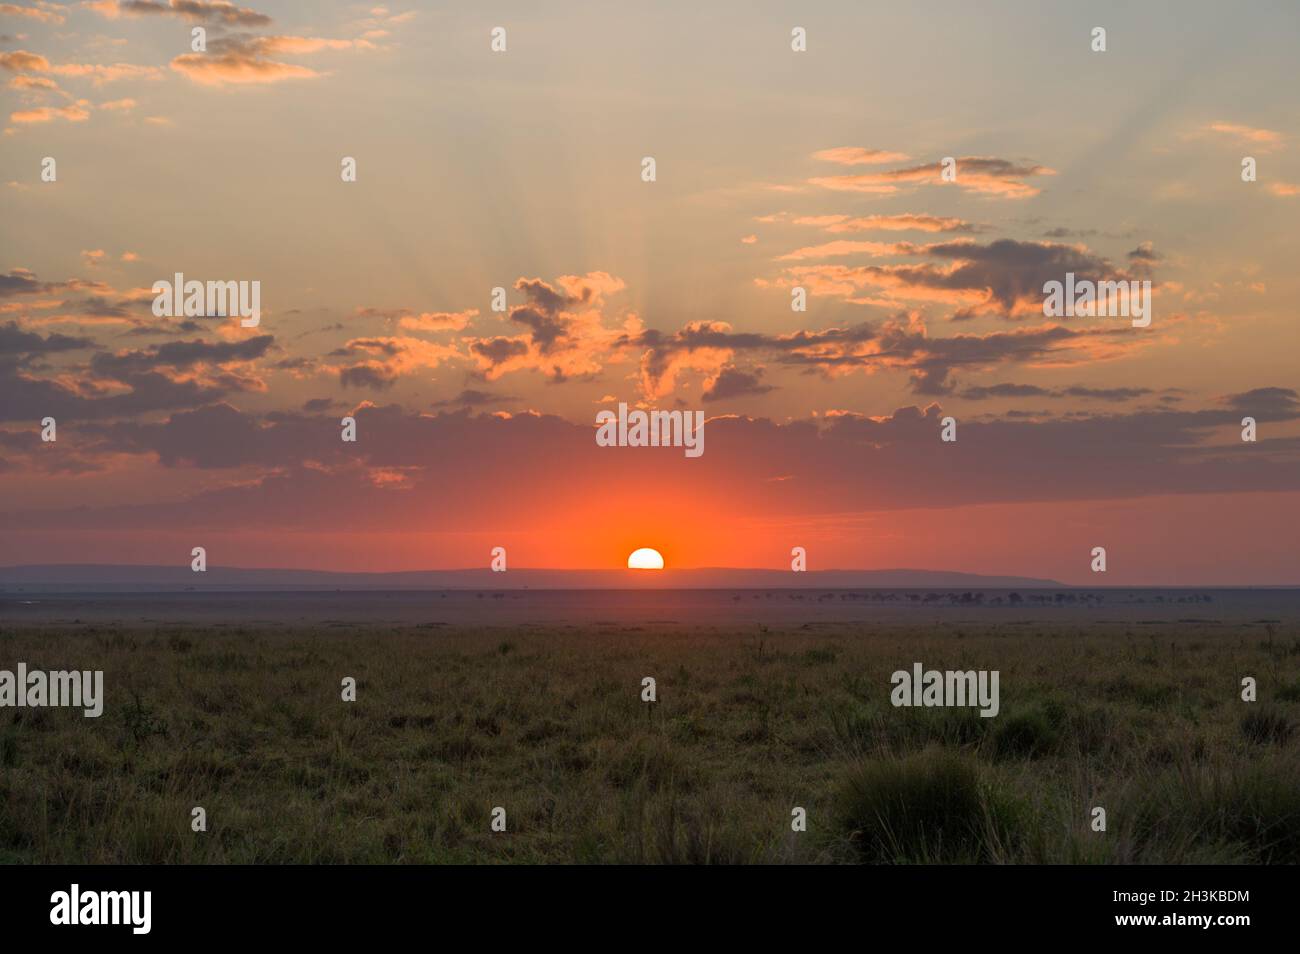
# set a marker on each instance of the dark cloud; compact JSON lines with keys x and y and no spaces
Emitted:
{"x":1005,"y":276}
{"x":899,"y":343}
{"x":1276,"y":403}
{"x":27,"y":398}
{"x":1031,"y":390}
{"x":1143,"y":259}
{"x":150,"y":329}
{"x":549,"y":314}
{"x":372,"y":376}
{"x":15,"y":341}
{"x":1106,"y":394}
{"x":197,"y":11}
{"x":462,"y":469}
{"x":295,"y":364}
{"x":471,"y":397}
{"x":182,"y":354}
{"x":1004,"y":391}
{"x":20,"y":281}
{"x":733,"y":383}
{"x":497,"y":350}
{"x":1010,"y":271}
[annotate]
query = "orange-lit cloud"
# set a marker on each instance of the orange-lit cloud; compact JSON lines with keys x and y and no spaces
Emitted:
{"x":20,"y":60}
{"x":100,"y":73}
{"x":886,"y":223}
{"x":378,"y":362}
{"x":40,"y":11}
{"x":33,"y":83}
{"x":249,"y":60}
{"x":74,"y":113}
{"x":196,"y":11}
{"x":567,"y":333}
{"x":857,"y":156}
{"x":1246,"y":134}
{"x":843,"y":247}
{"x":438,"y":320}
{"x":984,"y":175}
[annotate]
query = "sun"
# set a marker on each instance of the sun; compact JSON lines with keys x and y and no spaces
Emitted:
{"x":645,"y":559}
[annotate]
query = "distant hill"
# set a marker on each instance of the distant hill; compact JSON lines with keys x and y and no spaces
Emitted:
{"x":106,"y":578}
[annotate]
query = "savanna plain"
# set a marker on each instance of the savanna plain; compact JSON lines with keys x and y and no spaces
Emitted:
{"x":751,"y":721}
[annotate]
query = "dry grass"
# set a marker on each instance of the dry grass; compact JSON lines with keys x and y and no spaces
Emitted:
{"x":548,"y":723}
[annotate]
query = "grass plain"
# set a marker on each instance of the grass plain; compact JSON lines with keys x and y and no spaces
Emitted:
{"x":547,"y":722}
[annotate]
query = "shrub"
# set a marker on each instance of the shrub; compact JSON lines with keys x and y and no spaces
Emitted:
{"x":1263,"y":725}
{"x":929,"y":807}
{"x":1025,"y":735}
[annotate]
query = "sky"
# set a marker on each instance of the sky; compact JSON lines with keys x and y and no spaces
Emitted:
{"x":774,"y":169}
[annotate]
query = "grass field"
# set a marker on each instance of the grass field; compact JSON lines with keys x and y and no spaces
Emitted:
{"x":1145,"y":721}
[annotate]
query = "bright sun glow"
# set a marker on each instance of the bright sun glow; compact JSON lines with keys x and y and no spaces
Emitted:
{"x":645,"y":559}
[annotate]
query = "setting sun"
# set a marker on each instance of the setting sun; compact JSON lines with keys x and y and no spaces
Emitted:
{"x":645,"y":559}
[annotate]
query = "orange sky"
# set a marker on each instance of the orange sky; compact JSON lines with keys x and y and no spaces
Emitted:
{"x":776,"y":171}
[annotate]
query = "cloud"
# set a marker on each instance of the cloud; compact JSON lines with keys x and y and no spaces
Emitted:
{"x":15,"y":341}
{"x":1030,"y":390}
{"x":33,"y":83}
{"x":181,"y":354}
{"x":1143,"y":259}
{"x":108,"y":384}
{"x":384,"y":359}
{"x":21,"y":61}
{"x":461,"y":470}
{"x":243,"y":59}
{"x":438,"y":320}
{"x":565,"y":333}
{"x":102,"y":73}
{"x":195,"y":11}
{"x":734,"y":383}
{"x":370,"y":375}
{"x":710,"y":346}
{"x":22,"y":281}
{"x":23,"y":397}
{"x":42,"y":12}
{"x":888,"y":223}
{"x":842,"y":247}
{"x":422,"y":321}
{"x":899,"y":343}
{"x":1245,"y":134}
{"x":1275,"y":403}
{"x":984,"y":175}
{"x":73,"y":113}
{"x":471,"y":397}
{"x":1005,"y":276}
{"x":856,"y":156}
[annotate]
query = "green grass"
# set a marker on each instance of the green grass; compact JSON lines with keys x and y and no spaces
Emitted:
{"x":548,"y":723}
